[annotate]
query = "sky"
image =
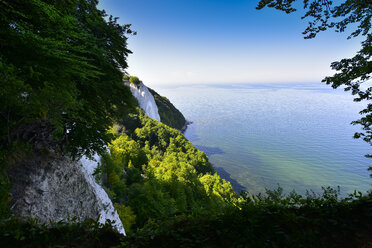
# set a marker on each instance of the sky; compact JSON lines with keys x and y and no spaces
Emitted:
{"x":224,"y":41}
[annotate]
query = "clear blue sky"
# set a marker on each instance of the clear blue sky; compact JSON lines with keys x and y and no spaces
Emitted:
{"x":223,"y":41}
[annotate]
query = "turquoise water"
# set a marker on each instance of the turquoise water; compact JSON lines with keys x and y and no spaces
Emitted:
{"x":296,"y":135}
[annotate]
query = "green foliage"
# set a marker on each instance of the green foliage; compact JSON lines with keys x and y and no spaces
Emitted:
{"x":124,"y":150}
{"x":4,"y":195}
{"x":111,"y":175}
{"x":29,"y":233}
{"x":61,"y":66}
{"x":134,"y":80}
{"x":163,"y":172}
{"x":14,"y":153}
{"x":127,"y":216}
{"x":61,"y":62}
{"x":169,"y":114}
{"x":274,"y":220}
{"x":352,"y":73}
{"x":214,"y":186}
{"x":271,"y":220}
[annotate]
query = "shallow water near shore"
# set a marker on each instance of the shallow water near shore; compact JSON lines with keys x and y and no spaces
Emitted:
{"x":260,"y":135}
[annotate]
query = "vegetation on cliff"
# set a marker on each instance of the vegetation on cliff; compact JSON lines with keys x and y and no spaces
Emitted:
{"x":61,"y":68}
{"x":274,"y":220}
{"x":61,"y":62}
{"x":169,"y":114}
{"x":156,"y":172}
{"x":73,"y":233}
{"x":132,"y":79}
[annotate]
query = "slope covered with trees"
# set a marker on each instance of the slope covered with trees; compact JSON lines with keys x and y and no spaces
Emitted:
{"x":61,"y":68}
{"x":169,"y":114}
{"x":153,"y":172}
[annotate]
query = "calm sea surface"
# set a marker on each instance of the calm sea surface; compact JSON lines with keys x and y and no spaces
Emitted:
{"x":296,"y":135}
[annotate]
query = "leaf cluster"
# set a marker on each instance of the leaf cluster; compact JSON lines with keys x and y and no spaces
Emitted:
{"x":326,"y":14}
{"x":61,"y":62}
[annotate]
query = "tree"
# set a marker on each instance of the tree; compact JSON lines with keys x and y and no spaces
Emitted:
{"x":353,"y":72}
{"x":61,"y":68}
{"x":134,"y":80}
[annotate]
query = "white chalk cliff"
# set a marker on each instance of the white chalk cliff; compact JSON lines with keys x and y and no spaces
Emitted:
{"x":107,"y":211}
{"x":145,"y":99}
{"x":54,"y":187}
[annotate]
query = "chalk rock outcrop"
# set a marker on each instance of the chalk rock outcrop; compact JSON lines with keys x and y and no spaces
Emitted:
{"x":52,"y":187}
{"x":145,"y":99}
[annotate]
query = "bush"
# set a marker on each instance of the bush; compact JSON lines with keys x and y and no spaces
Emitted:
{"x":273,"y":220}
{"x":29,"y":233}
{"x":134,"y":80}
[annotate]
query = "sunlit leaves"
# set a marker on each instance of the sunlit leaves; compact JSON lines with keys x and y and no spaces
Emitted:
{"x":163,"y":171}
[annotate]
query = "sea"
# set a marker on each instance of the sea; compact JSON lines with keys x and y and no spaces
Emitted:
{"x":296,"y":136}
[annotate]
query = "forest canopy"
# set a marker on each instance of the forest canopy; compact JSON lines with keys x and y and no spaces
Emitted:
{"x":61,"y":69}
{"x":153,"y":171}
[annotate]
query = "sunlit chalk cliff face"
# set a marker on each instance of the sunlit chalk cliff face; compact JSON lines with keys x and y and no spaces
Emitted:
{"x":107,"y":210}
{"x":146,"y":102}
{"x":145,"y":99}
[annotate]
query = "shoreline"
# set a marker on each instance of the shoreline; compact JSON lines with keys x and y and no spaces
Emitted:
{"x":227,"y":176}
{"x":184,"y":128}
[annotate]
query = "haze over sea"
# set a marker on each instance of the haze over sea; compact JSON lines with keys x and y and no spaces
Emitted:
{"x":260,"y":135}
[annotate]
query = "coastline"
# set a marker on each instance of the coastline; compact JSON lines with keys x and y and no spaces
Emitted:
{"x":227,"y":176}
{"x":184,"y":128}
